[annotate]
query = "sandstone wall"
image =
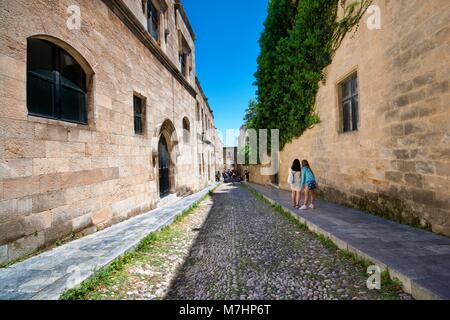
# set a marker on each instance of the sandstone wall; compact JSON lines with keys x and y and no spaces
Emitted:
{"x":57,"y":178}
{"x":398,"y":163}
{"x":206,"y":135}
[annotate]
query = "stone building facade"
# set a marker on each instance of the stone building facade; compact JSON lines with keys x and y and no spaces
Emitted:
{"x":383,"y":144}
{"x":98,"y":120}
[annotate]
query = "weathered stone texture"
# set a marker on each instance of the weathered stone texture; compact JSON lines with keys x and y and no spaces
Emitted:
{"x":398,"y":163}
{"x":58,"y":178}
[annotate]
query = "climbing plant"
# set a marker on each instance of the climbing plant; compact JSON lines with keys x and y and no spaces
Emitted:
{"x":298,"y":42}
{"x":280,"y":20}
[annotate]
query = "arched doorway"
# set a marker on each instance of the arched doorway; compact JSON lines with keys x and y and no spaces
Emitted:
{"x":164,"y":167}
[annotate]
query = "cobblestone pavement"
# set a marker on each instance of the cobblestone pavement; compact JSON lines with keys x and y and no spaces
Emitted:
{"x":246,"y":250}
{"x":236,"y":247}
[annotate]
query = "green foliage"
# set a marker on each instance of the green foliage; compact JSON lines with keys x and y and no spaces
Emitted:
{"x":280,"y":19}
{"x":299,"y":41}
{"x":244,"y":148}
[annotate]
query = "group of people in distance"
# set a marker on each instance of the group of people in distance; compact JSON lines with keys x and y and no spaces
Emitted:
{"x":231,"y":176}
{"x":302,"y":179}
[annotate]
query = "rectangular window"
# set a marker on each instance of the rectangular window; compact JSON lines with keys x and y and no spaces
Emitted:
{"x":203,"y":122}
{"x":139,"y":114}
{"x":349,"y":103}
{"x":153,"y":20}
{"x":184,"y":55}
{"x":197,"y":112}
{"x":183,"y":63}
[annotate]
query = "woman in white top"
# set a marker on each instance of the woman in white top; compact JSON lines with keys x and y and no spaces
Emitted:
{"x":294,"y":177}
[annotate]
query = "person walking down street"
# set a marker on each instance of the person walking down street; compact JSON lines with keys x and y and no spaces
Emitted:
{"x":309,"y":185}
{"x":294,"y":182}
{"x":247,"y":176}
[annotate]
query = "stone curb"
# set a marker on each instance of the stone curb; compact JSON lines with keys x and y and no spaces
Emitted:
{"x":409,"y":285}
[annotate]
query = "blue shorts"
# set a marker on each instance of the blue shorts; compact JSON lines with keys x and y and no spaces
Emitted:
{"x":312,"y":185}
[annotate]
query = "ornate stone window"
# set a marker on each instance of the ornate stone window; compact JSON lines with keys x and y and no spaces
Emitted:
{"x":56,"y":83}
{"x":348,"y":92}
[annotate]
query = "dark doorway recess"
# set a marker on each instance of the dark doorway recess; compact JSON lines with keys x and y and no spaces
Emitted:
{"x":164,"y":167}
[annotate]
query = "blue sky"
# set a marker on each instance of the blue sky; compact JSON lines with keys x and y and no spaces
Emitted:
{"x":226,"y":51}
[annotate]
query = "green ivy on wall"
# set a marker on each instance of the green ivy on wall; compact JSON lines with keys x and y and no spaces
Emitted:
{"x":298,"y":42}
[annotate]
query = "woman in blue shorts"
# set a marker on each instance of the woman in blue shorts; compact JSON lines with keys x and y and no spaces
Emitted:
{"x":309,"y":185}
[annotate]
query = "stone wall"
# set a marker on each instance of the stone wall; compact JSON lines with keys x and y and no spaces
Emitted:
{"x":59,"y":179}
{"x":205,"y":140}
{"x":398,"y":163}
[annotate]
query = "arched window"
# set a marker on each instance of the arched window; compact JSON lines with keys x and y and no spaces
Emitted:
{"x":56,"y":83}
{"x":186,"y":130}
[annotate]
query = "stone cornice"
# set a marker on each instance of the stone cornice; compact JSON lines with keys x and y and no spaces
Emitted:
{"x":120,"y":9}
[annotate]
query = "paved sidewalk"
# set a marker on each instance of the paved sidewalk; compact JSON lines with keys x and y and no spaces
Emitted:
{"x":420,"y":259}
{"x":47,"y":276}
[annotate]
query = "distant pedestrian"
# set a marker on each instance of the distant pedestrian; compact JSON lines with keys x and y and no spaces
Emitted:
{"x":309,"y":185}
{"x":294,"y":182}
{"x":247,"y":176}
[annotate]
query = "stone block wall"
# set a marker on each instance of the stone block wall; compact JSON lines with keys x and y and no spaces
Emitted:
{"x":398,"y":163}
{"x":58,"y":178}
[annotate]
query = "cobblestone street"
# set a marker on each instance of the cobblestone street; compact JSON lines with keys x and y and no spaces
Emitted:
{"x":236,"y":247}
{"x":246,"y":250}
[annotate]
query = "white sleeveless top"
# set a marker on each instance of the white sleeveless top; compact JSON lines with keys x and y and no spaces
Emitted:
{"x":296,"y":177}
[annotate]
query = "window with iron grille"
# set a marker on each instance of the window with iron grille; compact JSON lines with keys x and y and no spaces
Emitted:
{"x":139,"y":114}
{"x":349,"y":104}
{"x":153,"y":20}
{"x":56,"y":83}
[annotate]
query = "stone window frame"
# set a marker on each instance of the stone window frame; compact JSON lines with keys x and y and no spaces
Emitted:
{"x":338,"y":89}
{"x":184,"y":50}
{"x":161,"y":8}
{"x":197,"y":112}
{"x":143,"y":99}
{"x":186,"y":125}
{"x":203,"y":120}
{"x":90,"y":85}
